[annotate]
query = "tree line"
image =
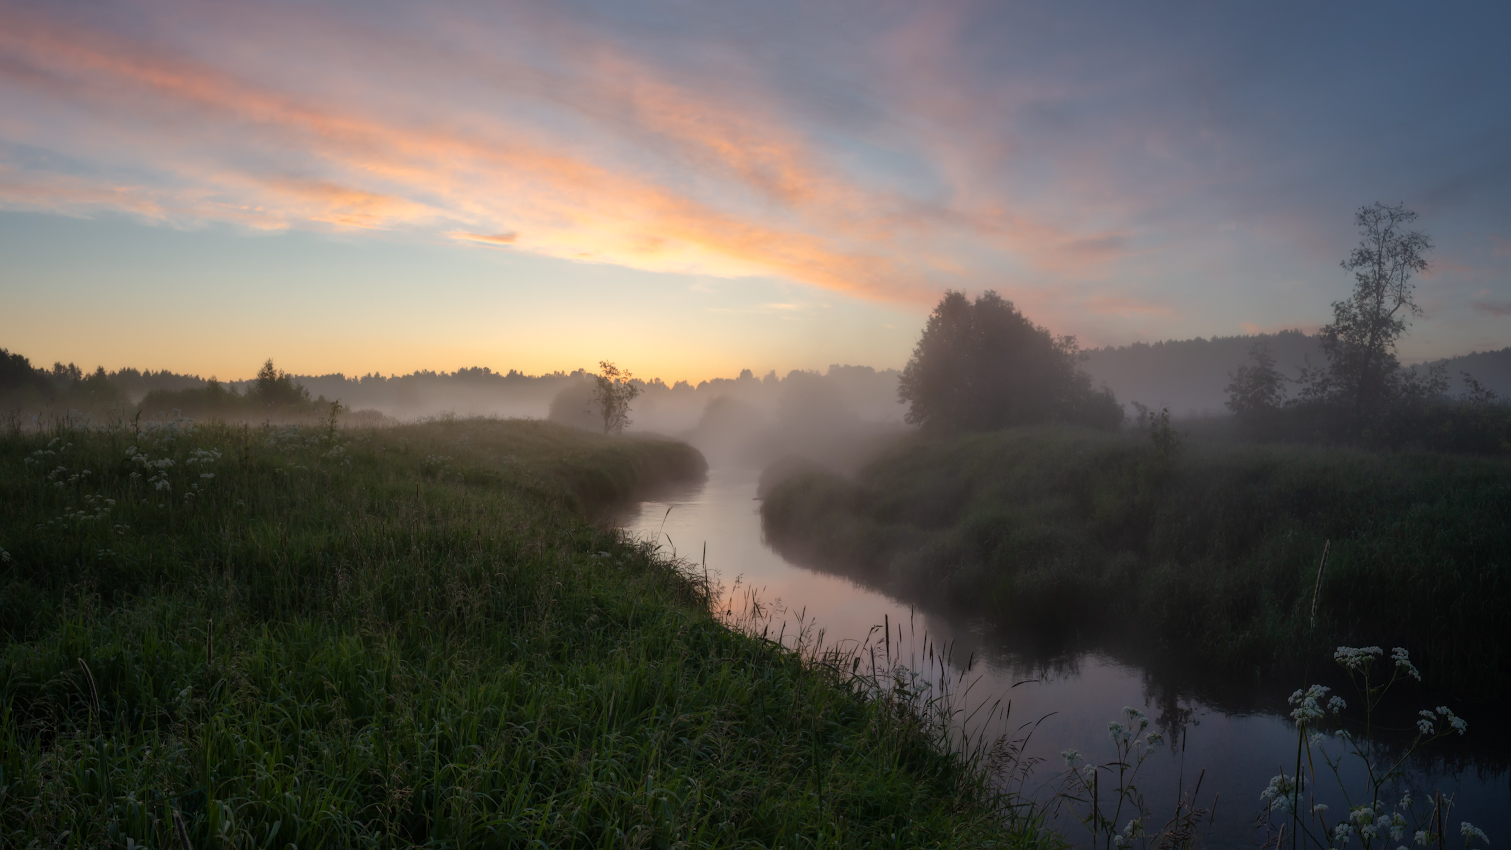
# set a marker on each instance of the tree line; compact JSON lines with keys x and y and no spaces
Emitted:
{"x":984,"y":365}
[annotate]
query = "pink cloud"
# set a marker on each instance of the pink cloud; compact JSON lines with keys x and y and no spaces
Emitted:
{"x":495,"y":239}
{"x":1120,"y":305}
{"x":738,"y":190}
{"x":1498,"y":309}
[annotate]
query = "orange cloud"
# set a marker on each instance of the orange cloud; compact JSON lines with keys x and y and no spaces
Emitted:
{"x":495,"y":239}
{"x":760,"y":199}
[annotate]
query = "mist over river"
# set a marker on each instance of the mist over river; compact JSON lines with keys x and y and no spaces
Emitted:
{"x":1232,"y":738}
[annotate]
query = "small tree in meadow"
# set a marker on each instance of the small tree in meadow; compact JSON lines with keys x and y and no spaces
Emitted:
{"x":275,"y":388}
{"x":1258,"y":389}
{"x":612,"y":394}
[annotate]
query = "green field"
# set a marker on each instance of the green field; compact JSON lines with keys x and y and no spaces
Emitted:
{"x":1211,"y":551}
{"x":413,"y":636}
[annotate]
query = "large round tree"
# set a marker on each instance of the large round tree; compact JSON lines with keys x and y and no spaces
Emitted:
{"x":984,"y":365}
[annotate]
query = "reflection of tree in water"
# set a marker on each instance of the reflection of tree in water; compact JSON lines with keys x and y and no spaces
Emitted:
{"x":1173,"y":712}
{"x":1177,"y":691}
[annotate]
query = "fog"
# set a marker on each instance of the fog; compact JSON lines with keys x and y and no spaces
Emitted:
{"x":835,"y":418}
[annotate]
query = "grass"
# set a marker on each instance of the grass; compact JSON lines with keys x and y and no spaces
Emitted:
{"x":412,"y":636}
{"x":1211,"y":550}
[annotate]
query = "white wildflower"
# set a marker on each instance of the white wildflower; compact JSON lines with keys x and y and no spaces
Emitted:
{"x":1072,"y":758}
{"x":1357,"y":657}
{"x":1320,"y":809}
{"x":1342,"y":832}
{"x":4,"y":557}
{"x":1403,"y":662}
{"x":1281,"y":793}
{"x":1469,"y":831}
{"x":1423,"y":838}
{"x":1425,"y":725}
{"x":1336,"y":704}
{"x":1307,"y":704}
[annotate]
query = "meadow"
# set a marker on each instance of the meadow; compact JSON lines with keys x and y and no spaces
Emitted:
{"x":217,"y":635}
{"x":1207,"y":549}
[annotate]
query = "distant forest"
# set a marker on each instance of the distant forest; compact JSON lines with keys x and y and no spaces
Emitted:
{"x":1187,"y":376}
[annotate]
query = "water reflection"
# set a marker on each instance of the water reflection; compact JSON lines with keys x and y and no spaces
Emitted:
{"x":1066,"y":692}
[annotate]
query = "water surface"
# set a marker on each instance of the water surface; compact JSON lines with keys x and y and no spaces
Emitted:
{"x":1232,"y":739}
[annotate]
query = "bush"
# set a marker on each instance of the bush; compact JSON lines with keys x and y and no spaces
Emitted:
{"x":1213,"y":552}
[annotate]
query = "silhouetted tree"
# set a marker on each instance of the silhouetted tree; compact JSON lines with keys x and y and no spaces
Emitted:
{"x":612,"y":394}
{"x":16,"y":372}
{"x":274,"y":388}
{"x":985,"y":365}
{"x":1363,"y":374}
{"x":1258,"y":389}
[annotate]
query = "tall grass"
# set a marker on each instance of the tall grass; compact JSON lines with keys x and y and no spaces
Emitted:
{"x":411,"y":636}
{"x":1211,"y":549}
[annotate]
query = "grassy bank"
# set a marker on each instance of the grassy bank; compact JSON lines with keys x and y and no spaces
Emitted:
{"x":1212,"y":550}
{"x":409,"y":636}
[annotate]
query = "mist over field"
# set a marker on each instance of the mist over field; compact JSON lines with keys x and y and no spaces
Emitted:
{"x":1025,"y":426}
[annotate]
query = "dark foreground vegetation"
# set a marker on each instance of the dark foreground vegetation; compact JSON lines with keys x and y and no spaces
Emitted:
{"x":1210,"y":549}
{"x":320,"y":637}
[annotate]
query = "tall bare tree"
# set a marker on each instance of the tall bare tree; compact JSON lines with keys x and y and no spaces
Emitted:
{"x":1360,"y":343}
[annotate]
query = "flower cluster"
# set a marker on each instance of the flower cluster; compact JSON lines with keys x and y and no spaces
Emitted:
{"x":1280,"y":796}
{"x":1357,"y":657}
{"x":1469,"y":830}
{"x":1307,"y":705}
{"x":1134,"y":829}
{"x":1427,"y":724}
{"x":159,"y":468}
{"x":1402,"y":662}
{"x":1130,"y":730}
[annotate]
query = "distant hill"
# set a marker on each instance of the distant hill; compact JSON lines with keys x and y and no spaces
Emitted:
{"x":1189,"y":375}
{"x":1490,"y":368}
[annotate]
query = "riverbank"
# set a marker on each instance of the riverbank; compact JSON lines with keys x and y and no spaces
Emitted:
{"x":411,"y":635}
{"x":1210,"y":550}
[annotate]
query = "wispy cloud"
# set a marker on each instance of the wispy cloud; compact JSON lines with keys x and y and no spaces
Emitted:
{"x":1104,"y":173}
{"x":680,"y":176}
{"x":494,"y":239}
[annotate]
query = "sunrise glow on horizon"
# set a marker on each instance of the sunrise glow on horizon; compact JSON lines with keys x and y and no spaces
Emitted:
{"x":695,"y":189}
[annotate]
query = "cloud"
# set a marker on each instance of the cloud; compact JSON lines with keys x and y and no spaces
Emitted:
{"x":1498,"y":309}
{"x":495,"y":239}
{"x":1121,"y":305}
{"x":690,"y":178}
{"x":1443,"y":266}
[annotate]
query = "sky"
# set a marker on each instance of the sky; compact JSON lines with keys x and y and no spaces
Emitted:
{"x":690,"y":189}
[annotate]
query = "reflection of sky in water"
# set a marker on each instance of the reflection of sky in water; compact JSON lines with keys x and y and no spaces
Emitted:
{"x":1077,"y":696}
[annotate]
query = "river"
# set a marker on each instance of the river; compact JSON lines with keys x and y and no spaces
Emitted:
{"x":1233,"y":740}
